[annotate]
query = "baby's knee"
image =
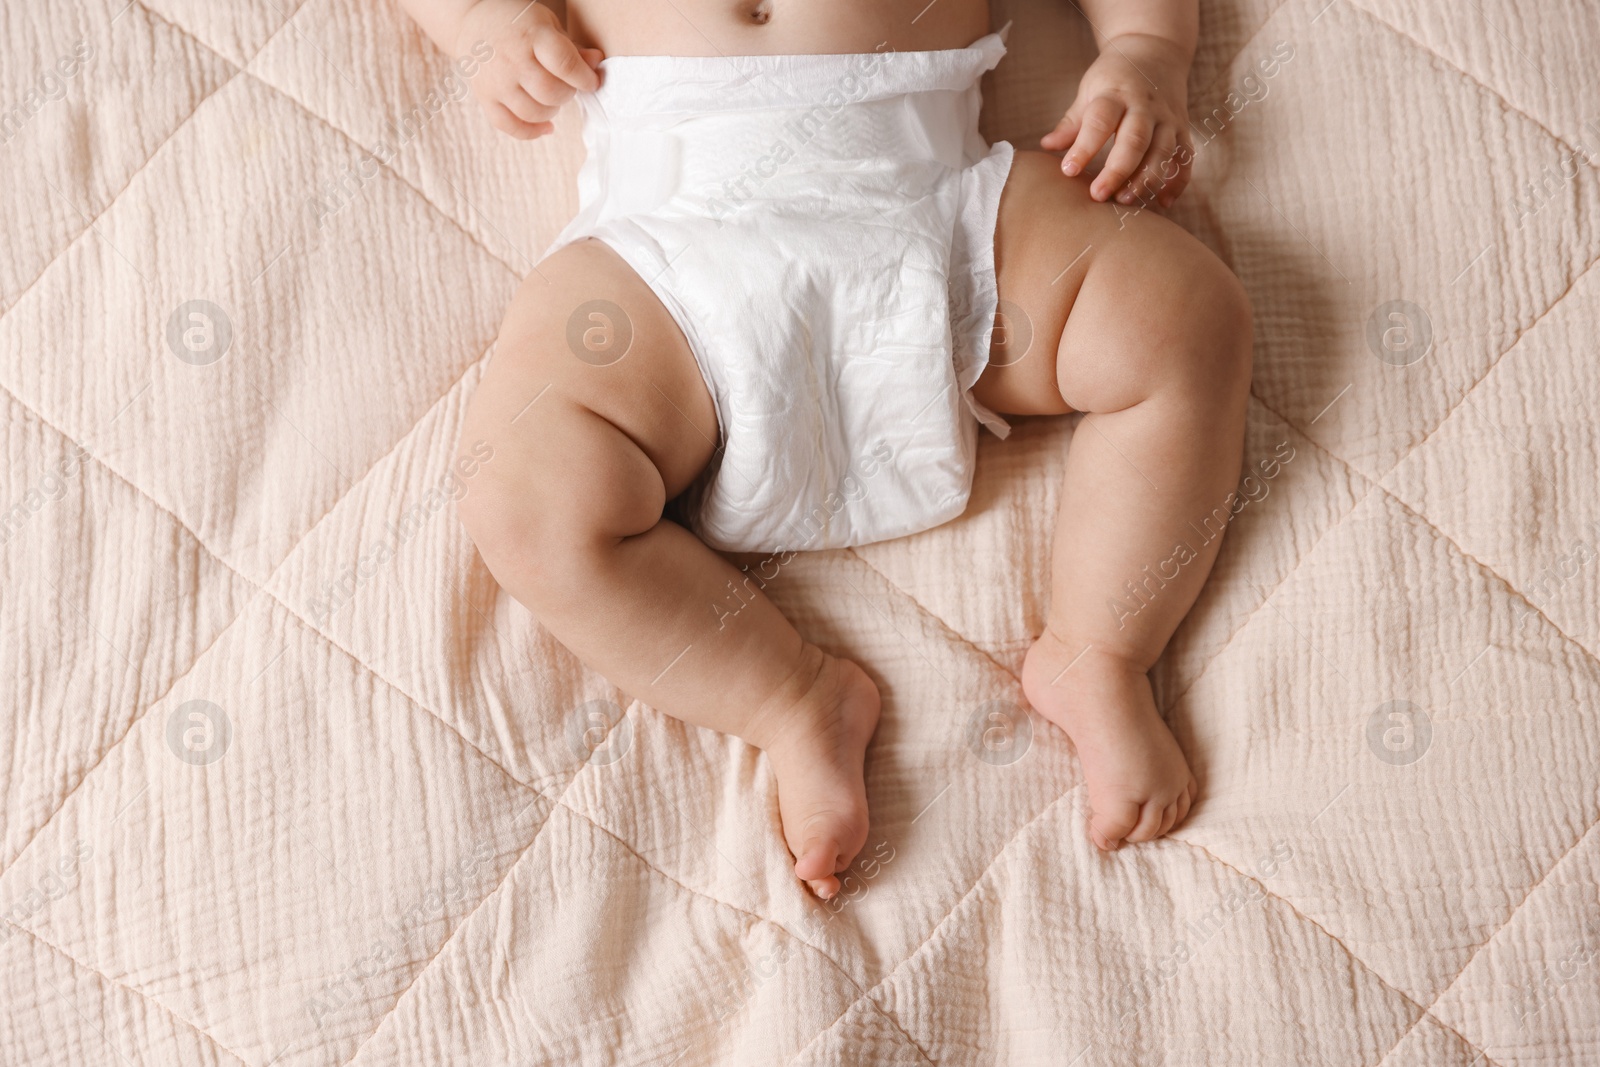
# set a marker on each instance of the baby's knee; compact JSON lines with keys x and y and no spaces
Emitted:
{"x":1208,"y":325}
{"x":558,"y":501}
{"x":1230,"y":316}
{"x":532,"y":533}
{"x":505,"y":529}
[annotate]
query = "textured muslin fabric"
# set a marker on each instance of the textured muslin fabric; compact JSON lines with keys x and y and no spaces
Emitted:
{"x":285,"y":778}
{"x":822,"y":229}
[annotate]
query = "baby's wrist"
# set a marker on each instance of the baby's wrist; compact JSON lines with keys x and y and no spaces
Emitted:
{"x":467,"y":25}
{"x":1166,"y":50}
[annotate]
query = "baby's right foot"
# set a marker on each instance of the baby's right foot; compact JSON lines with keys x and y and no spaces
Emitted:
{"x":816,"y":738}
{"x":1139,"y":783}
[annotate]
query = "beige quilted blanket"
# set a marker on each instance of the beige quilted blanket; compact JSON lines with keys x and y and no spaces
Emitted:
{"x":285,"y":779}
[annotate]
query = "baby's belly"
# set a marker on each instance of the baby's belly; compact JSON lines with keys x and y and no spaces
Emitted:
{"x":774,"y":27}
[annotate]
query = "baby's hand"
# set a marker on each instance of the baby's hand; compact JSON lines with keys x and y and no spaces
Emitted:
{"x":1138,"y":91}
{"x":534,"y":69}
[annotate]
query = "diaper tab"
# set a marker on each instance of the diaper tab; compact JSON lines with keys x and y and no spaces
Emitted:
{"x":665,"y":85}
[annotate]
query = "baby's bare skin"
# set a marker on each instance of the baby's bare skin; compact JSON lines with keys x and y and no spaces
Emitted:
{"x":773,"y":27}
{"x":1133,"y":323}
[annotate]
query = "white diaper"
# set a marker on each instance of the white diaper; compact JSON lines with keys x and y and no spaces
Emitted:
{"x":822,"y":229}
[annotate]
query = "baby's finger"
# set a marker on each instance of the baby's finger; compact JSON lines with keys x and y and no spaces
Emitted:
{"x":526,"y":108}
{"x":1151,"y":179}
{"x":1100,"y":120}
{"x":1183,"y":163}
{"x":1133,"y":140}
{"x":501,"y":118}
{"x":1063,"y":135}
{"x":544,"y":87}
{"x":557,"y":54}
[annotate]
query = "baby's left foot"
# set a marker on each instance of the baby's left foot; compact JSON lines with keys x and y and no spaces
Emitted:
{"x":1139,"y":784}
{"x":816,"y":742}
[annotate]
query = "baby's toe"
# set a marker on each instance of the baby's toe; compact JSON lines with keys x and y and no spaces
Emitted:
{"x":824,"y":888}
{"x":1110,"y":823}
{"x":819,"y":859}
{"x":1169,"y":817}
{"x":1185,"y":802}
{"x":1148,"y":828}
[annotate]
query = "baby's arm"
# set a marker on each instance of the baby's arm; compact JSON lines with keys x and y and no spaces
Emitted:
{"x":1138,"y":91}
{"x":527,"y":65}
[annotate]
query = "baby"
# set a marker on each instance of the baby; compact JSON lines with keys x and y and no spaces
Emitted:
{"x":798,"y":282}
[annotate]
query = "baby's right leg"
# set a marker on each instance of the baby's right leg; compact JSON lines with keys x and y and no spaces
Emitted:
{"x":587,"y":451}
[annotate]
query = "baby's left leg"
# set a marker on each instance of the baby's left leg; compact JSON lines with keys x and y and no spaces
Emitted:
{"x":1138,"y":325}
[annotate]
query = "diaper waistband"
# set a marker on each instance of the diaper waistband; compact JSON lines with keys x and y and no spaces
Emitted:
{"x":665,"y":85}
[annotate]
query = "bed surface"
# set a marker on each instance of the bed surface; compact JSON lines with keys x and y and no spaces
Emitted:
{"x":286,"y":779}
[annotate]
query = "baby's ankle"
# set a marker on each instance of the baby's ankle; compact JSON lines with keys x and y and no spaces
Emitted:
{"x":796,"y":698}
{"x":1091,"y":653}
{"x":1078,"y":668}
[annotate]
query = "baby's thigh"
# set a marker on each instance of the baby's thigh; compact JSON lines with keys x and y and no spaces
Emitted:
{"x":1088,"y":293}
{"x":591,"y":375}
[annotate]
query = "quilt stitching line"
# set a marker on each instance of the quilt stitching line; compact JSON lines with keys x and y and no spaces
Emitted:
{"x":353,"y":140}
{"x":1507,"y":924}
{"x":131,"y":989}
{"x":1445,"y":61}
{"x":1469,"y":390}
{"x":465,"y":919}
{"x":1482,"y":1057}
{"x":1448,"y":414}
{"x":362,"y":663}
{"x":1279,"y":584}
{"x":179,"y":125}
{"x":935,"y":616}
{"x":111,"y":201}
{"x":179,"y":675}
{"x":757,"y":916}
{"x":1490,"y":571}
{"x":890,"y":1018}
{"x":1365,"y":966}
{"x":1378,"y":487}
{"x":1376,"y":483}
{"x":557,"y":801}
{"x":1568,"y":639}
{"x":329,"y":123}
{"x":1372,"y":486}
{"x":627,"y":846}
{"x":934,"y":930}
{"x":759,"y":919}
{"x":208,"y":46}
{"x":407,"y":697}
{"x":887,"y":1016}
{"x":259,"y":587}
